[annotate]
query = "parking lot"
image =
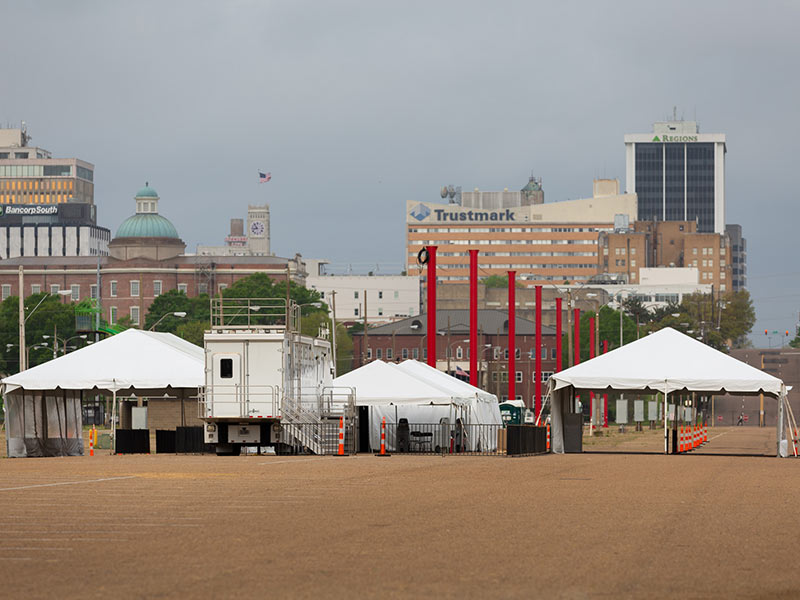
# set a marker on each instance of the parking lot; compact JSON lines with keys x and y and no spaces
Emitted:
{"x":612,"y":522}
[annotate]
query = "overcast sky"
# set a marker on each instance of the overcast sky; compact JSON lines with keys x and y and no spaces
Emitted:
{"x":355,"y":107}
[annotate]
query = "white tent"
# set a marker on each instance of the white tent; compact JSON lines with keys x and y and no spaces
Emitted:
{"x":43,"y":403}
{"x":666,"y":361}
{"x":420,"y":394}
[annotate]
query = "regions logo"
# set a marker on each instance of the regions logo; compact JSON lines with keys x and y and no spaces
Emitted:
{"x":655,"y":139}
{"x":420,"y":212}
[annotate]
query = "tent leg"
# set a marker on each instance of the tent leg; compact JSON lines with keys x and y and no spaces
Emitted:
{"x":114,"y":422}
{"x":666,"y":430}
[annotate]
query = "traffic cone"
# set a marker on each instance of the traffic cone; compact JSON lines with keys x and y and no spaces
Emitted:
{"x":91,"y":444}
{"x":548,"y":437}
{"x":383,"y":438}
{"x":341,"y":437}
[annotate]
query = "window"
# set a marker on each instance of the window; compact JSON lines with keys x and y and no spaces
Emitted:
{"x":369,"y":352}
{"x":633,"y":250}
{"x":544,"y":353}
{"x":93,"y":291}
{"x":355,"y":311}
{"x":134,"y":288}
{"x":113,"y":290}
{"x":496,"y":351}
{"x":722,"y":274}
{"x":54,"y":288}
{"x":415,"y":353}
{"x":459,"y":352}
{"x":633,"y":263}
{"x":135,"y":315}
{"x":156,"y":289}
{"x":355,"y":295}
{"x":518,"y":353}
{"x":6,"y":290}
{"x":380,"y":312}
{"x":425,"y":353}
{"x":112,"y":315}
{"x":36,"y":289}
{"x":76,"y":292}
{"x":182,"y":287}
{"x":710,"y":262}
{"x":380,"y":295}
{"x":396,"y":295}
{"x":504,"y":377}
{"x":226,"y":368}
{"x":389,"y":353}
{"x":379,"y":352}
{"x":518,"y":377}
{"x":404,"y":353}
{"x":222,"y":287}
{"x":202,"y":288}
{"x":694,"y":251}
{"x":505,"y":353}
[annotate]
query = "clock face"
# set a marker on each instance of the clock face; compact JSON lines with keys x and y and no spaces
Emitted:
{"x":257,"y":228}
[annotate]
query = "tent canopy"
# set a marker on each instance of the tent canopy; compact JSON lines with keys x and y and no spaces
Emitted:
{"x":378,"y":383}
{"x":135,"y":359}
{"x":667,"y":361}
{"x":455,"y":386}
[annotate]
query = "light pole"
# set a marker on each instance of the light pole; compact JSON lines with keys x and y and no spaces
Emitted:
{"x":57,"y":339}
{"x":450,"y":351}
{"x":23,"y":356}
{"x":486,"y":379}
{"x":180,"y":314}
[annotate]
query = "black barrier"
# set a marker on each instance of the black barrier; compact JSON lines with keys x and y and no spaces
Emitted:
{"x":526,"y":439}
{"x":133,"y":441}
{"x":165,"y":441}
{"x":189,"y":440}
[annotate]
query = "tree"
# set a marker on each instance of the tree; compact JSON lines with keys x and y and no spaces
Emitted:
{"x":498,"y":281}
{"x":196,"y":309}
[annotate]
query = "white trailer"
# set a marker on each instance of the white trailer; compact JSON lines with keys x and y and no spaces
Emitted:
{"x":266,"y":383}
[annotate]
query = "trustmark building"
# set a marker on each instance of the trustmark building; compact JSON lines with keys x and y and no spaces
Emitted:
{"x":678,"y":174}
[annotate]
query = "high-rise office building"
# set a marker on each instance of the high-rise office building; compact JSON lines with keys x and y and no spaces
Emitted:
{"x":46,"y":204}
{"x":678,"y":174}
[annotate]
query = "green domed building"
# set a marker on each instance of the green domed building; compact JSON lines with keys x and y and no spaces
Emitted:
{"x":146,"y":234}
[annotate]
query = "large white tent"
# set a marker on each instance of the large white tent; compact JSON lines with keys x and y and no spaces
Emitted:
{"x":42,"y":404}
{"x":666,"y":361}
{"x":421,"y":394}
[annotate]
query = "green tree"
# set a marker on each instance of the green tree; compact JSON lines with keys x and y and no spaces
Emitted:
{"x":196,"y":309}
{"x":498,"y":281}
{"x":192,"y":331}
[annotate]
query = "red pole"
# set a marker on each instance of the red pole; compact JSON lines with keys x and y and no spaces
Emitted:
{"x":473,"y":317}
{"x":605,"y":396}
{"x":431,"y":330}
{"x":577,"y":317}
{"x":512,"y":331}
{"x":559,"y":334}
{"x":538,"y":363}
{"x":591,"y":356}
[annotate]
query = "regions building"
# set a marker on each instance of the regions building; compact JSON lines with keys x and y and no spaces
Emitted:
{"x":146,"y":260}
{"x":543,"y":243}
{"x":46,"y":204}
{"x":386,"y":297}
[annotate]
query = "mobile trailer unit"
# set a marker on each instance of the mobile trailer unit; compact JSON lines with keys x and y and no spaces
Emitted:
{"x":266,"y":383}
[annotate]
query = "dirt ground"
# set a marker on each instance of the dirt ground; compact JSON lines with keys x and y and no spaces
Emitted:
{"x":619,"y":520}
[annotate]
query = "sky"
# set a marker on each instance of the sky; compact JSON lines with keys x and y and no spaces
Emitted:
{"x":356,"y":107}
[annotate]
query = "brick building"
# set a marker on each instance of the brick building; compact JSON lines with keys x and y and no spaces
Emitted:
{"x":146,"y":260}
{"x":406,"y":339}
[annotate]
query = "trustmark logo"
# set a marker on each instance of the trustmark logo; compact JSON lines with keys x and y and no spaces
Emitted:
{"x":420,"y":212}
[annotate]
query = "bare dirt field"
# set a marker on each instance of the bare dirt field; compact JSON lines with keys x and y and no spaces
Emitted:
{"x":612,"y":522}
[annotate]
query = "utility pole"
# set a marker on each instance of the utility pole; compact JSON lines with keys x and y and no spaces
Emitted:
{"x":333,"y":333}
{"x":23,"y":362}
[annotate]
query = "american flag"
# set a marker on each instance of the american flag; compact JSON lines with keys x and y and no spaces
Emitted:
{"x":460,"y":371}
{"x":264,"y":177}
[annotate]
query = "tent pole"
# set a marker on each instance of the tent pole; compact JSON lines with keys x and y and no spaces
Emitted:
{"x":666,"y":431}
{"x":114,"y":422}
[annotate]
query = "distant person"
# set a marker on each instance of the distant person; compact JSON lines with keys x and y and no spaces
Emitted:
{"x":741,"y":419}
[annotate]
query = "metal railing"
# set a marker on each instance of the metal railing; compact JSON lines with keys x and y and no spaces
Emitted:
{"x":246,"y":402}
{"x":443,"y":439}
{"x":320,"y":438}
{"x":255,"y":313}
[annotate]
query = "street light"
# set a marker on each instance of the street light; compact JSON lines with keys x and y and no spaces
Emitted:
{"x":57,"y":339}
{"x":23,"y":356}
{"x":450,"y":351}
{"x":179,"y":314}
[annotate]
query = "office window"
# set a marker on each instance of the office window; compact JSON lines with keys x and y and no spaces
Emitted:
{"x":113,"y":290}
{"x":518,"y":377}
{"x":54,"y":288}
{"x":6,"y":291}
{"x":134,"y":288}
{"x":459,"y":352}
{"x":544,"y":353}
{"x":389,"y":354}
{"x":355,"y":295}
{"x":135,"y":315}
{"x":76,"y":292}
{"x":505,"y":354}
{"x":404,"y":353}
{"x":93,"y":291}
{"x":112,"y":315}
{"x":182,"y":287}
{"x":694,"y":251}
{"x":355,"y":311}
{"x":633,"y":250}
{"x":36,"y":288}
{"x":156,"y":289}
{"x":710,"y":262}
{"x":379,"y":352}
{"x":552,"y":353}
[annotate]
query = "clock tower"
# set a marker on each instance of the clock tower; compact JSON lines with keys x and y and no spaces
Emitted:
{"x":258,"y":229}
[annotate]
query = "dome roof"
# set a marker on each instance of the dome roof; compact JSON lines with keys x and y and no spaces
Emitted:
{"x":147,"y":225}
{"x":146,"y":192}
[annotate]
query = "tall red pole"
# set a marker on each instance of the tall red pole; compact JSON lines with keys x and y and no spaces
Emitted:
{"x":605,"y":396}
{"x":559,"y":334}
{"x":591,"y":356}
{"x":512,"y":332}
{"x":431,"y":330}
{"x":473,"y":317}
{"x":538,"y":363}
{"x":577,"y":316}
